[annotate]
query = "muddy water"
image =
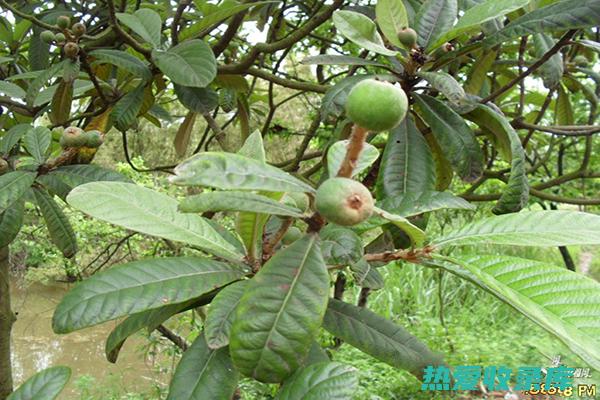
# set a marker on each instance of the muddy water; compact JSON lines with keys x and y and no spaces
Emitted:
{"x":36,"y":347}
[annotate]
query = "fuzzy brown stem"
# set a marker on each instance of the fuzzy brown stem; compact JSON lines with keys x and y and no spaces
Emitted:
{"x":7,"y":318}
{"x":269,"y":245}
{"x":357,"y":141}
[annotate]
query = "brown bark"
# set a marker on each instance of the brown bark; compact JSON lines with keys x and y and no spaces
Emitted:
{"x":7,"y":318}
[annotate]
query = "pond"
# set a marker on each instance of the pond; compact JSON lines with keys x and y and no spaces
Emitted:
{"x":36,"y":347}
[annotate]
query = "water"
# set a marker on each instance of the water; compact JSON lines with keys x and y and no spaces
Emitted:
{"x":36,"y":346}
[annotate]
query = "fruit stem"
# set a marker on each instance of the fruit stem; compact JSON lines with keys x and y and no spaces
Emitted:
{"x":355,"y":146}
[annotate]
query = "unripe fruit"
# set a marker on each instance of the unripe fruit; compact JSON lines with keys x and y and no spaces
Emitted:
{"x":71,"y":50}
{"x":3,"y":166}
{"x":72,"y":137}
{"x":291,"y":235}
{"x":376,"y":105}
{"x":63,"y":22}
{"x":93,"y":139}
{"x":581,"y":61}
{"x":344,"y":201}
{"x":78,"y":29}
{"x":408,"y":37}
{"x":298,"y":200}
{"x":47,"y":37}
{"x":60,"y":38}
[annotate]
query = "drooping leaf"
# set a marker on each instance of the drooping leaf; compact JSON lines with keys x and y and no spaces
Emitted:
{"x":279,"y":316}
{"x":123,"y":61}
{"x":144,"y":22}
{"x":366,"y":276}
{"x":336,"y":153}
{"x":360,"y":29}
{"x":391,"y":19}
{"x":41,"y":80}
{"x":253,"y":147}
{"x":516,"y":193}
{"x":564,"y":303}
{"x":564,"y":112}
{"x":325,"y":380}
{"x":447,"y":85}
{"x":13,"y":185}
{"x":340,"y":246}
{"x":229,"y":171}
{"x":416,"y":235}
{"x":37,"y":142}
{"x":196,"y":99}
{"x":125,"y":111}
{"x":139,"y":286}
{"x":11,"y":221}
{"x":377,"y":337}
{"x":12,"y":90}
{"x":454,"y":135}
{"x":78,"y":174}
{"x":336,"y":59}
{"x":150,"y":212}
{"x":184,"y":133}
{"x":560,"y":16}
{"x":477,"y":15}
{"x":406,"y":164}
{"x":203,"y":373}
{"x":61,"y":102}
{"x":435,"y":17}
{"x":59,"y":227}
{"x":590,"y":44}
{"x":219,"y":319}
{"x":12,"y":137}
{"x":236,"y":201}
{"x":46,"y":385}
{"x":528,"y":228}
{"x":191,"y":63}
{"x":414,"y":203}
{"x":479,"y":71}
{"x":551,"y":70}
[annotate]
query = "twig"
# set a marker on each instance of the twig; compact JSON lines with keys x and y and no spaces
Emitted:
{"x":173,"y":337}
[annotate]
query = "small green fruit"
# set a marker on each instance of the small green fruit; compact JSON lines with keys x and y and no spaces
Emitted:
{"x":60,"y":38}
{"x":344,"y":201}
{"x":408,"y":37}
{"x":376,"y":105}
{"x":78,"y":29}
{"x":291,"y":235}
{"x":581,"y":61}
{"x":3,"y":166}
{"x":298,"y":200}
{"x":71,"y":50}
{"x":93,"y":139}
{"x":72,"y":137}
{"x":47,"y":37}
{"x":63,"y":22}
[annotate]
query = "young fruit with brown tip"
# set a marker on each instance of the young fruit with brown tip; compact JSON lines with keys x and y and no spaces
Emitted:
{"x":47,"y":37}
{"x":73,"y":137}
{"x":71,"y":50}
{"x":93,"y":139}
{"x":78,"y":29}
{"x":376,"y":105}
{"x":344,"y":201}
{"x":408,"y":37}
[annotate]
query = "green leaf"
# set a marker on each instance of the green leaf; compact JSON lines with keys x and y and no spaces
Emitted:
{"x":366,"y":276}
{"x":144,"y":22}
{"x":590,"y":44}
{"x":435,"y":17}
{"x":406,"y":164}
{"x":253,"y":147}
{"x":477,"y":15}
{"x":552,"y":70}
{"x":219,"y":319}
{"x":516,"y":193}
{"x":250,"y":226}
{"x":198,"y":100}
{"x":340,"y":246}
{"x":377,"y":337}
{"x":413,"y":203}
{"x":325,"y":380}
{"x":334,"y":100}
{"x":123,"y":61}
{"x":416,"y":235}
{"x":454,"y":136}
{"x":447,"y":85}
{"x":529,"y":228}
{"x":203,"y":373}
{"x":61,"y":102}
{"x":78,"y":174}
{"x":359,"y":29}
{"x":184,"y":133}
{"x":229,"y":171}
{"x":125,"y":111}
{"x":336,"y":59}
{"x":139,"y":286}
{"x":41,"y":80}
{"x":560,"y":16}
{"x":279,"y":316}
{"x":336,"y":153}
{"x":191,"y":63}
{"x":236,"y":201}
{"x":12,"y":137}
{"x":564,"y":303}
{"x":150,"y":320}
{"x":58,"y":224}
{"x":11,"y":90}
{"x":391,"y":18}
{"x":564,"y":113}
{"x":479,"y":71}
{"x":11,"y":221}
{"x":37,"y":142}
{"x":13,"y":185}
{"x":149,"y":212}
{"x":46,"y":385}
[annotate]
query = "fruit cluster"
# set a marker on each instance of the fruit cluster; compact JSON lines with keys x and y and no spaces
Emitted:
{"x":77,"y":137}
{"x":68,"y":36}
